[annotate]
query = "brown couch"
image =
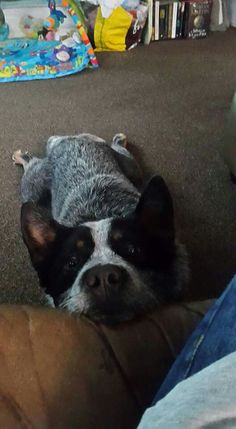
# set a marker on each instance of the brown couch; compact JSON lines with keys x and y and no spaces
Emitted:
{"x":58,"y":371}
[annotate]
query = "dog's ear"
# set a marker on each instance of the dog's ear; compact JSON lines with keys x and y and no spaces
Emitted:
{"x":39,"y":231}
{"x":155,"y":212}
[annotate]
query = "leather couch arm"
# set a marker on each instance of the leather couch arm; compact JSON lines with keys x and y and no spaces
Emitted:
{"x":59,"y":371}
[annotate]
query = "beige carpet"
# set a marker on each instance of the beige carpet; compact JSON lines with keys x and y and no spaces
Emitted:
{"x":170,"y":99}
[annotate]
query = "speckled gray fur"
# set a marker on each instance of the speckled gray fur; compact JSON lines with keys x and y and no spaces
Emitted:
{"x":84,"y":178}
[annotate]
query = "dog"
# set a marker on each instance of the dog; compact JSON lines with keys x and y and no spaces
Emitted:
{"x":101,"y":247}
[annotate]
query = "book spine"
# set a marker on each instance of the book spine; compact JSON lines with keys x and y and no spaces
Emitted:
{"x":170,"y":13}
{"x":187,"y":19}
{"x":147,"y":35}
{"x":166,"y":21}
{"x":178,"y":19}
{"x":162,"y":16}
{"x":174,"y":20}
{"x":157,"y":18}
{"x":184,"y":19}
{"x":153,"y":21}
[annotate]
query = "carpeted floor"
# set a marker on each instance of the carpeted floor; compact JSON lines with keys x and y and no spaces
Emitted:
{"x":170,"y":99}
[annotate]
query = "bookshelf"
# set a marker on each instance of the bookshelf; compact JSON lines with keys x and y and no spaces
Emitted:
{"x":177,"y":19}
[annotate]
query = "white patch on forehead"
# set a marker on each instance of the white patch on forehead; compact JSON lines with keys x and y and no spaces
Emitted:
{"x":102,"y":254}
{"x":100,"y":231}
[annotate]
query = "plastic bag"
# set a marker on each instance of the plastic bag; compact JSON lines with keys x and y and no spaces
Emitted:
{"x":122,"y":30}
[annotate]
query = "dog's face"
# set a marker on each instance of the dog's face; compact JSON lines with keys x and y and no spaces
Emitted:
{"x":111,"y":269}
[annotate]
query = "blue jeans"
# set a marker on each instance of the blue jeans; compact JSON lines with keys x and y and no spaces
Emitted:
{"x":214,"y":338}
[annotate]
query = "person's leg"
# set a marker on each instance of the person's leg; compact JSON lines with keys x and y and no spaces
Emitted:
{"x":213,"y":339}
{"x":205,"y":400}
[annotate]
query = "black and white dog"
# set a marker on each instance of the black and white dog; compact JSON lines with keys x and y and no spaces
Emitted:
{"x":99,"y":247}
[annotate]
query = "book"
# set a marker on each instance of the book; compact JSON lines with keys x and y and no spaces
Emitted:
{"x":183,"y":18}
{"x":148,"y":34}
{"x":197,"y":18}
{"x":162,"y":20}
{"x":157,"y":14}
{"x":174,"y":20}
{"x":170,"y":16}
{"x":166,"y":20}
{"x":178,"y":20}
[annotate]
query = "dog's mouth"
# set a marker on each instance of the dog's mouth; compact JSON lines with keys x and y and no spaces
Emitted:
{"x":108,"y":294}
{"x":100,"y":301}
{"x":110,"y":311}
{"x":105,"y":309}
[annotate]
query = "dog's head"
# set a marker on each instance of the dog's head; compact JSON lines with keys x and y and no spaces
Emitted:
{"x":110,"y":269}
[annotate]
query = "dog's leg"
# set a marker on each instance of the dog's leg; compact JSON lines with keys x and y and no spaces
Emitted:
{"x":126,"y":161}
{"x":36,"y":180}
{"x":21,"y":158}
{"x":121,"y":141}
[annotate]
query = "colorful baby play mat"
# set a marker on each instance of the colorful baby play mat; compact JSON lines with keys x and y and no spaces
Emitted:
{"x":42,"y":41}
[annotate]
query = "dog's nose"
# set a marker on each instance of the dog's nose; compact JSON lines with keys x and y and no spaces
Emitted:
{"x":108,"y":275}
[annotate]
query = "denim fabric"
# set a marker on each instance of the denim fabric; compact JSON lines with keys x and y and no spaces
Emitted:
{"x":214,"y":338}
{"x":206,"y":400}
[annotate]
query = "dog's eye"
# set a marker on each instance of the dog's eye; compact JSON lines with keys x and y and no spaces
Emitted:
{"x":117,"y":235}
{"x":72,"y":263}
{"x":133,"y":250}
